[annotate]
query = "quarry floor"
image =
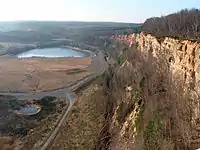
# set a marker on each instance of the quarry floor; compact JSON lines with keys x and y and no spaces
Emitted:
{"x":41,"y":74}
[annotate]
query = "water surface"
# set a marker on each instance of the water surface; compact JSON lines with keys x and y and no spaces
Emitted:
{"x":52,"y":53}
{"x":28,"y":110}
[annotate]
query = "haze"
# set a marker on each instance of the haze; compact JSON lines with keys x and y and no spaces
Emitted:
{"x":90,"y":10}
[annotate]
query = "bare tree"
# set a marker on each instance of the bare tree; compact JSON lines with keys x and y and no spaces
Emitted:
{"x":184,"y":24}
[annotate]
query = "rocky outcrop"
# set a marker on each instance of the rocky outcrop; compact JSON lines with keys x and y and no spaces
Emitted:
{"x":126,"y":39}
{"x":182,"y":57}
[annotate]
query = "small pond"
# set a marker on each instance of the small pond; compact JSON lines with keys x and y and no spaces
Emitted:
{"x":52,"y":53}
{"x":29,"y":110}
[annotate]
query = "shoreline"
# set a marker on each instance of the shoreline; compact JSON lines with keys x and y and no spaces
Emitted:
{"x":30,"y":114}
{"x":88,"y":52}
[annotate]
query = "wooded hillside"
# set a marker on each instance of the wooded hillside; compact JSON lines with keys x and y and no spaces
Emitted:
{"x":184,"y":24}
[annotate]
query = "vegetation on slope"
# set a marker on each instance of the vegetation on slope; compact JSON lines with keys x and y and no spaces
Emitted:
{"x":85,"y":120}
{"x":152,"y":114}
{"x":157,"y":118}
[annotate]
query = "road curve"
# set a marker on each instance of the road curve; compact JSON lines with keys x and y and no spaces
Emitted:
{"x":54,"y":133}
{"x":69,"y":96}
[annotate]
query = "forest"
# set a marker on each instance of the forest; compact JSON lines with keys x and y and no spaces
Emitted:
{"x":184,"y":24}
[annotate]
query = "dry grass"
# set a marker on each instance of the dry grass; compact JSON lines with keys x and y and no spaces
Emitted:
{"x":40,"y":74}
{"x":84,"y":121}
{"x":6,"y":143}
{"x":44,"y":127}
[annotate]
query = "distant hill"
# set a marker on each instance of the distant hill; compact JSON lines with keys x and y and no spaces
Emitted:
{"x":40,"y":31}
{"x":37,"y":25}
{"x":86,"y":35}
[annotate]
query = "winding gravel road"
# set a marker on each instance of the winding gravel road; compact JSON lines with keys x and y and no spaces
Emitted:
{"x":55,"y":132}
{"x":69,"y":94}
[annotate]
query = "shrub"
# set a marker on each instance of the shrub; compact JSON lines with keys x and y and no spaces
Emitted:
{"x":120,"y":60}
{"x":139,"y":119}
{"x":153,"y":134}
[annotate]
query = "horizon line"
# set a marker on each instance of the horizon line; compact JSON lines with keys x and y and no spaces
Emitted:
{"x":70,"y":21}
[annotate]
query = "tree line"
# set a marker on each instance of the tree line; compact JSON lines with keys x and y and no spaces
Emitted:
{"x":184,"y":24}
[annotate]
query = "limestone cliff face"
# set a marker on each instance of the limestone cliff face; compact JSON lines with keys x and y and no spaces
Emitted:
{"x":126,"y":39}
{"x":183,"y":58}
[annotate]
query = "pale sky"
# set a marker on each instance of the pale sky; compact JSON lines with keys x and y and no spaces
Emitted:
{"x":90,"y":10}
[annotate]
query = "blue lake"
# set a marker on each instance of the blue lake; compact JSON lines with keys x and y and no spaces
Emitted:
{"x":52,"y":53}
{"x":28,"y":110}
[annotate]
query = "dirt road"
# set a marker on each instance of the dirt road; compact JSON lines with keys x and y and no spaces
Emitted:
{"x":69,"y":97}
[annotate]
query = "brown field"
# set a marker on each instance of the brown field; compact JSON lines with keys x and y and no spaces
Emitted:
{"x":41,"y":74}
